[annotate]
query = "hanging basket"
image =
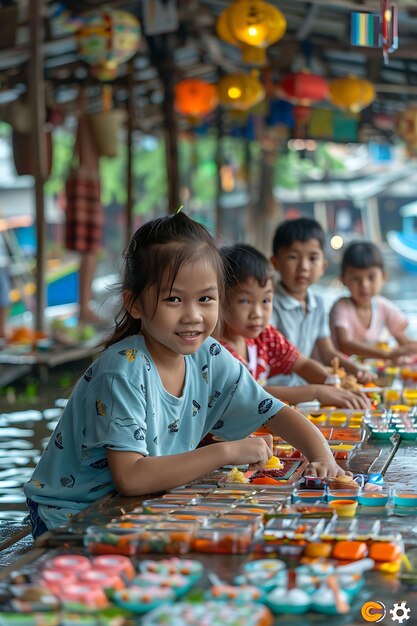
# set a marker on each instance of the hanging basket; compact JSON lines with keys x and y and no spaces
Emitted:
{"x":24,"y":156}
{"x":104,"y":129}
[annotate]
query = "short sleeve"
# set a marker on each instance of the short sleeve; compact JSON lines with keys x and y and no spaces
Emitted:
{"x":323,"y":327}
{"x":242,"y":405}
{"x":395,"y":321}
{"x":120,"y":415}
{"x":281,"y":355}
{"x":339,"y":315}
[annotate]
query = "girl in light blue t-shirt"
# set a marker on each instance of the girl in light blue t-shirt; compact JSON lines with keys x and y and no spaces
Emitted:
{"x":136,"y":416}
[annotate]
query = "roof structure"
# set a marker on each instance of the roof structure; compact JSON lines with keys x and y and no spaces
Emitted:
{"x":317,"y":37}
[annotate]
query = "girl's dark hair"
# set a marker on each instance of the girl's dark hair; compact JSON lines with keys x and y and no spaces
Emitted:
{"x":155,"y":254}
{"x":361,"y":255}
{"x":243,"y":262}
{"x":301,"y":229}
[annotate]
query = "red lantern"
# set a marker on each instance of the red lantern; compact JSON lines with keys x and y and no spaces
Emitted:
{"x":304,"y":88}
{"x":195,"y":97}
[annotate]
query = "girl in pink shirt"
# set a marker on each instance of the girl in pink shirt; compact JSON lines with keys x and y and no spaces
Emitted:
{"x":359,"y":322}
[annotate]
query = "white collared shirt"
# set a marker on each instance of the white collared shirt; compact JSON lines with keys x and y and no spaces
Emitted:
{"x":301,"y":327}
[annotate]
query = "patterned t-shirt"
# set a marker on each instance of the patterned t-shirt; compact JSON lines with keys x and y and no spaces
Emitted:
{"x":268,"y":355}
{"x":120,"y":403}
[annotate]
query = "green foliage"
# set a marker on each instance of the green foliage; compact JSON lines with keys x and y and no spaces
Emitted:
{"x":294,"y":167}
{"x":62,"y":146}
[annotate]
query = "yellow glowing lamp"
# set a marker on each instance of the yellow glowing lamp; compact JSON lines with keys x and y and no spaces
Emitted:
{"x":251,"y":25}
{"x":351,"y":93}
{"x":256,"y":23}
{"x":240,"y":91}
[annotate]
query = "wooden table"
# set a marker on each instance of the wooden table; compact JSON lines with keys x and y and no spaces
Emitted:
{"x":397,"y":461}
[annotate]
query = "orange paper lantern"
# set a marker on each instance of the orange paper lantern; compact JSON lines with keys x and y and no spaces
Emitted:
{"x":195,"y":97}
{"x":351,"y":93}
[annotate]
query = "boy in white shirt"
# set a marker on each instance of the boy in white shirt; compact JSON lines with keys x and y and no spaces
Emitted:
{"x":300,"y":315}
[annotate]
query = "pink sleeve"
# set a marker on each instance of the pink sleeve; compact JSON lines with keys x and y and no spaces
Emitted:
{"x":340,"y":316}
{"x":395,"y":321}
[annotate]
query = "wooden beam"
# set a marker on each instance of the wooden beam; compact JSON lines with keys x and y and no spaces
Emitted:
{"x":38,"y":145}
{"x":129,"y":146}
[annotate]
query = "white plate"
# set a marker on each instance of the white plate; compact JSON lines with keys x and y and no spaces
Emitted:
{"x":371,"y":389}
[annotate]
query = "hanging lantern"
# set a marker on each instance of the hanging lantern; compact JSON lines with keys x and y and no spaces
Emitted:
{"x":108,"y":38}
{"x":240,"y":91}
{"x":256,"y":23}
{"x":195,"y":97}
{"x":351,"y":93}
{"x":251,"y":25}
{"x":304,"y":88}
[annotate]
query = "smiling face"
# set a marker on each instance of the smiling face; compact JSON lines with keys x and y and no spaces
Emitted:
{"x":179,"y":320}
{"x":363,"y":283}
{"x":300,"y":265}
{"x":249,"y":308}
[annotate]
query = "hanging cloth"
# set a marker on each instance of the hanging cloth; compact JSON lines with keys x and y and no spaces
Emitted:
{"x":84,"y":214}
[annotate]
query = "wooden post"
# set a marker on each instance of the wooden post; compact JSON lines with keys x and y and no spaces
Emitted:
{"x":129,"y":146}
{"x":171,"y":136}
{"x":218,"y":222}
{"x":38,"y":145}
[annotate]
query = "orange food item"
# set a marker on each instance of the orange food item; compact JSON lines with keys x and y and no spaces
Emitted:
{"x":266,"y":480}
{"x":384,"y":551}
{"x":349,"y":550}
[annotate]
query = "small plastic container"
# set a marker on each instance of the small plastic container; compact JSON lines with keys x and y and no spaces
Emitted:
{"x":383,"y":435}
{"x":309,"y":495}
{"x":342,"y":494}
{"x":167,"y":538}
{"x":232,"y":593}
{"x":339,"y":529}
{"x":115,"y":564}
{"x":140,"y":600}
{"x":180,"y":585}
{"x":292,"y":602}
{"x":346,"y":435}
{"x":407,"y":435}
{"x":220,"y":540}
{"x":344,"y":508}
{"x":100,"y":540}
{"x":405,"y":498}
{"x":70,"y":563}
{"x":372,"y":498}
{"x":82,"y":598}
{"x":265,"y":573}
{"x":190,"y":568}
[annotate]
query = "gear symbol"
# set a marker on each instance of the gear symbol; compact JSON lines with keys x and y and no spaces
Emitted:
{"x":400,"y":612}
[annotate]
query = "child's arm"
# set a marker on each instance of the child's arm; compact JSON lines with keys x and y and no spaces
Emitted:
{"x":298,"y":431}
{"x":137,"y":475}
{"x":328,"y":351}
{"x":325,"y":394}
{"x":312,"y":371}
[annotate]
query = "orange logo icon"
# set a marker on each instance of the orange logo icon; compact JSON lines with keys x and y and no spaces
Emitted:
{"x":373,"y":611}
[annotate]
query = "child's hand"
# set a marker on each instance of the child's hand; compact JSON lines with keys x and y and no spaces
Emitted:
{"x":253,"y":450}
{"x":408,"y":349}
{"x":365,"y":376}
{"x":328,"y":395}
{"x":325,"y":468}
